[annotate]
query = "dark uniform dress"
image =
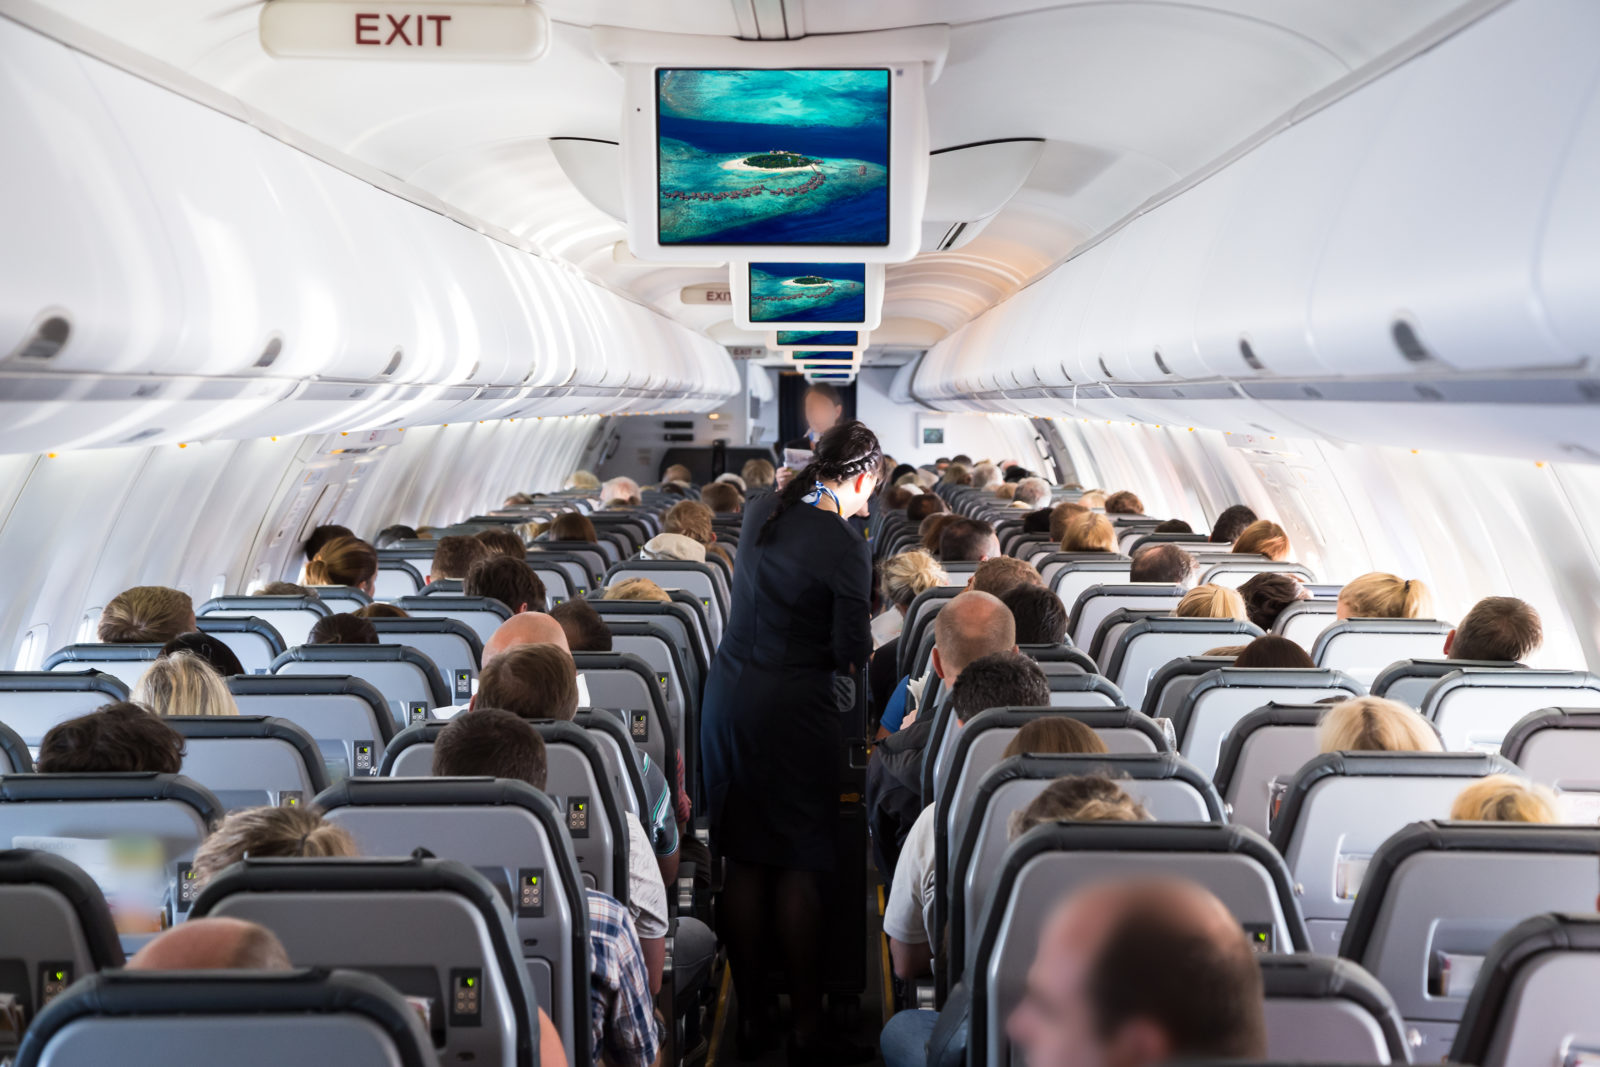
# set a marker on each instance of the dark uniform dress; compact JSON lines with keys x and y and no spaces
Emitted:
{"x":771,"y":735}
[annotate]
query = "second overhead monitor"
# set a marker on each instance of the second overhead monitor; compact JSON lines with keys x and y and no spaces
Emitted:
{"x":794,"y":296}
{"x":815,"y":339}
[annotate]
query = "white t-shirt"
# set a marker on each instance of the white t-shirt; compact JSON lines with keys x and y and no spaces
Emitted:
{"x":647,"y":894}
{"x":908,"y":916}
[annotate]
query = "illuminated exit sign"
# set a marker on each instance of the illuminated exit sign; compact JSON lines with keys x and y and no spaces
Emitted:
{"x":338,"y":29}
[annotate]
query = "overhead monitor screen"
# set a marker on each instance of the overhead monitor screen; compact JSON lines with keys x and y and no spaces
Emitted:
{"x":772,"y":157}
{"x":810,"y":338}
{"x":831,"y":377}
{"x":833,"y":357}
{"x":808,"y":292}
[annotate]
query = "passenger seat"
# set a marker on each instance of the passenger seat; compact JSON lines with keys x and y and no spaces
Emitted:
{"x":1220,"y":698}
{"x":1473,"y":707}
{"x":1364,"y":647}
{"x":31,"y":702}
{"x":1534,"y":1002}
{"x":292,"y":616}
{"x":1320,"y":1009}
{"x":251,"y":761}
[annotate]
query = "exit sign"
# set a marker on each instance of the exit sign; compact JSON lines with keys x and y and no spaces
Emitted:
{"x":337,"y":29}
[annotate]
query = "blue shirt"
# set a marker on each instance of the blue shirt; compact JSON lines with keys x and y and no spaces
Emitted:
{"x":894,"y":713}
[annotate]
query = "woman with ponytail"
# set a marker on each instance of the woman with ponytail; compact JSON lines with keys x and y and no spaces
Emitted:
{"x":772,"y":736}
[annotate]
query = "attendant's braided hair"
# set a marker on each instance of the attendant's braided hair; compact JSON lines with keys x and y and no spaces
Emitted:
{"x":845,"y":451}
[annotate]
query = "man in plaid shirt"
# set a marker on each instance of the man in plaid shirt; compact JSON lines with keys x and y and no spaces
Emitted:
{"x":621,"y":1012}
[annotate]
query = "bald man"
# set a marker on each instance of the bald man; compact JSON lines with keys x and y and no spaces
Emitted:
{"x":528,"y":628}
{"x":1140,"y":972}
{"x":213,"y":945}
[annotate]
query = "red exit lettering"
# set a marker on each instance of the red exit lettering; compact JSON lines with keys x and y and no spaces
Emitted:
{"x":719,"y":296}
{"x":411,"y":30}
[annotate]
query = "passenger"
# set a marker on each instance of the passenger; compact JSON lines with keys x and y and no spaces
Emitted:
{"x":998,"y":575}
{"x":1007,"y":491}
{"x":1372,"y":724}
{"x":986,"y":476}
{"x":1031,"y":493}
{"x":1094,"y":499}
{"x":286,"y":589}
{"x":1499,"y":628}
{"x":510,"y":581}
{"x":501,"y":541}
{"x":214,"y":944}
{"x":638,"y":589}
{"x":346,"y":561}
{"x":967,"y":541}
{"x":722,"y":498}
{"x":380,"y":610}
{"x":1124,"y":503}
{"x":518,"y":500}
{"x":1061,"y":515}
{"x":692,"y":519}
{"x":1230,"y":524}
{"x":1173,"y":526}
{"x":758,"y":474}
{"x":1384,"y":596}
{"x":999,"y":680}
{"x":904,"y":578}
{"x":344,"y":628}
{"x":824,"y":409}
{"x":184,"y":684}
{"x":1267,"y":594}
{"x":678,"y":474}
{"x":146,"y":613}
{"x":770,"y":734}
{"x":957,"y":474}
{"x":1274,"y":651}
{"x":113,"y":739}
{"x":619,"y":488}
{"x":582,"y":480}
{"x":923,"y":506}
{"x":1140,"y":972}
{"x":1211,"y":602}
{"x":963,"y":459}
{"x":529,"y":628}
{"x":1263,"y":538}
{"x":586,"y":631}
{"x":493,"y":743}
{"x":931,"y":529}
{"x":454,"y":556}
{"x":321,"y":536}
{"x":1167,"y":564}
{"x":389,"y":535}
{"x":895,"y":498}
{"x":1054,"y":735}
{"x":674,"y":546}
{"x":1232,"y":652}
{"x":1089,"y":533}
{"x":1040,"y":617}
{"x":221,"y":658}
{"x":1037,"y":522}
{"x":1505,"y":798}
{"x":573,"y":526}
{"x":730,"y":478}
{"x":270,"y":833}
{"x":1081,"y":798}
{"x":979,"y":626}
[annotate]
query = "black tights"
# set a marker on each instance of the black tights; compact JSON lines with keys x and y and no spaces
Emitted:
{"x":775,"y":907}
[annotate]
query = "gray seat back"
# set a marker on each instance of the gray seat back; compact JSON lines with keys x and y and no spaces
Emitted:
{"x":349,"y":719}
{"x":1068,"y":574}
{"x":453,"y":647}
{"x":662,"y":659}
{"x":483,"y":615}
{"x":57,"y":927}
{"x":31,"y":702}
{"x":1408,"y":680}
{"x":512,"y":834}
{"x":1303,"y":621}
{"x":251,"y":761}
{"x":1100,"y":600}
{"x":1264,"y":751}
{"x":1218,"y":700}
{"x":1169,"y":687}
{"x":126,"y":663}
{"x":1150,"y":643}
{"x":242,"y":1018}
{"x":1474,"y":707}
{"x":433,"y":929}
{"x":254,"y":640}
{"x":1342,"y":805}
{"x":341,"y":598}
{"x":958,"y":573}
{"x":1170,"y":789}
{"x":919,"y":620}
{"x":1236,"y":571}
{"x":15,"y":758}
{"x":409,"y":681}
{"x":560,"y":585}
{"x":1439,"y":894}
{"x":396,"y":578}
{"x":1362,"y":648}
{"x":1559,"y":747}
{"x":624,"y":686}
{"x":699,"y":580}
{"x":1049,"y":862}
{"x":1534,"y":999}
{"x":292,"y":616}
{"x":1320,"y":1009}
{"x":673,"y":620}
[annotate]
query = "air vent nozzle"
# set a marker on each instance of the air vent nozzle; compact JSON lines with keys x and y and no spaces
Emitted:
{"x":46,"y":340}
{"x":1248,"y":354}
{"x":394,"y":362}
{"x":270,"y":352}
{"x":1409,"y":344}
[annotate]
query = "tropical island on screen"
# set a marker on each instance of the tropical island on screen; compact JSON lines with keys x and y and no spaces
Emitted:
{"x":773,"y":156}
{"x":808,"y":292}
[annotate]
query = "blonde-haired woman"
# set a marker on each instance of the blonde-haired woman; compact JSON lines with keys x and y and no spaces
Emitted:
{"x":184,"y":684}
{"x":1504,"y":798}
{"x":1093,"y":498}
{"x":1263,"y":538}
{"x":1211,"y":602}
{"x":1089,"y":532}
{"x":1373,"y":724}
{"x":584,"y":480}
{"x":270,"y":833}
{"x":1385,"y":596}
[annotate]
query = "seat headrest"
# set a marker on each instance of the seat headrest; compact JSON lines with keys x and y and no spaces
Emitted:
{"x":25,"y":866}
{"x":1517,"y":948}
{"x":124,"y":786}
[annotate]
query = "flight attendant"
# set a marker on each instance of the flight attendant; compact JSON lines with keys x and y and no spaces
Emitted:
{"x":772,"y":736}
{"x":824,"y":409}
